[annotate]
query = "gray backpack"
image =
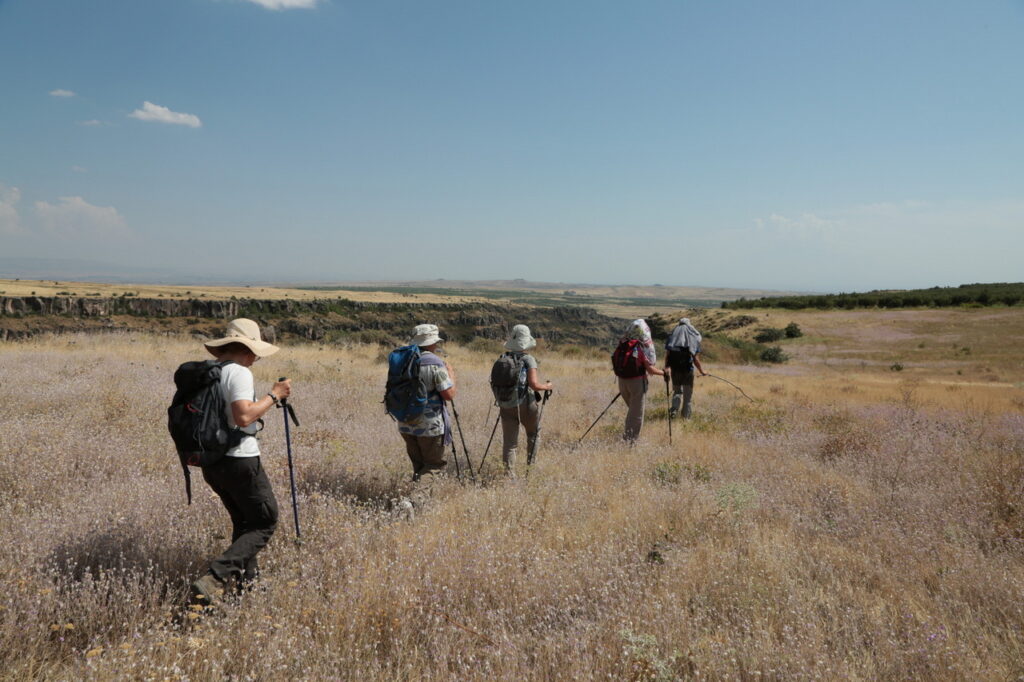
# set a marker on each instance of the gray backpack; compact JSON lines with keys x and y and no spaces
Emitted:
{"x":505,"y":377}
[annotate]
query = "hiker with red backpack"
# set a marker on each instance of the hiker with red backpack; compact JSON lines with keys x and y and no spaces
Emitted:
{"x":419,"y":383}
{"x":514,"y":383}
{"x":633,"y":360}
{"x":235,"y":473}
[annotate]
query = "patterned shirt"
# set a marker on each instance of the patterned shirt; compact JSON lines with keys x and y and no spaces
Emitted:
{"x":431,"y":422}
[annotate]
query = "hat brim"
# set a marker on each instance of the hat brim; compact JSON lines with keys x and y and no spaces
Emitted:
{"x":429,"y":340}
{"x":514,"y":345}
{"x":260,"y":349}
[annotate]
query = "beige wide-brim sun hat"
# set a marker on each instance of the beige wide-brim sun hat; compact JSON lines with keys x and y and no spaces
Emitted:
{"x":521,"y":339}
{"x":247,"y":333}
{"x":425,"y":335}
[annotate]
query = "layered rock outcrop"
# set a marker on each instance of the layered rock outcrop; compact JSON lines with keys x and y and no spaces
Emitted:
{"x":322,"y":320}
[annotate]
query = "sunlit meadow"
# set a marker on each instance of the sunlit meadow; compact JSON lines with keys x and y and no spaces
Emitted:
{"x":837,"y":526}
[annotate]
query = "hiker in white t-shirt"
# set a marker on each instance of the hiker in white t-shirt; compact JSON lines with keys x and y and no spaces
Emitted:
{"x":239,"y":478}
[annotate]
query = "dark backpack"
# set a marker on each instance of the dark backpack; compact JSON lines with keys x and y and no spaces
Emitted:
{"x":404,"y":397}
{"x":505,"y":375}
{"x":197,"y":419}
{"x":680,"y":360}
{"x":626,"y":359}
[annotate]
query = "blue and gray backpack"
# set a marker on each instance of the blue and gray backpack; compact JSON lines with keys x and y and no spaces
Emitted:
{"x":404,"y":396}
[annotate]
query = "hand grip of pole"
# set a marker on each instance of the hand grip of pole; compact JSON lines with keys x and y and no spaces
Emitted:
{"x":283,"y":403}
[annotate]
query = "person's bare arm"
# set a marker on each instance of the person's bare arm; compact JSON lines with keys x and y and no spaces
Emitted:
{"x":449,"y":393}
{"x":534,"y":383}
{"x":246,"y":412}
{"x":696,"y":363}
{"x":653,"y":369}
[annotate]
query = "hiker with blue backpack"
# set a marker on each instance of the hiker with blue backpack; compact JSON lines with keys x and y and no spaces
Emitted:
{"x":214,"y":419}
{"x":683,"y":349}
{"x":516,"y":386}
{"x":633,"y":360}
{"x":419,"y":382}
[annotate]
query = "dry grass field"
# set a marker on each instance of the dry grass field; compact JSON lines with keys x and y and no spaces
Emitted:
{"x":852,"y":522}
{"x":26,"y":287}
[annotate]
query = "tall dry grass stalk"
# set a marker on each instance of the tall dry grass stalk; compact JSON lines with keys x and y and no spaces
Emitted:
{"x":828,"y":530}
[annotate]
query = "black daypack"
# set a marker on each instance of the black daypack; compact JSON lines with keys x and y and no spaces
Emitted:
{"x":626,"y":359}
{"x":197,"y":419}
{"x":505,"y":375}
{"x":680,"y":360}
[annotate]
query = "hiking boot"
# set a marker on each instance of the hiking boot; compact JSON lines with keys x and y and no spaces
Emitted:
{"x":207,"y":590}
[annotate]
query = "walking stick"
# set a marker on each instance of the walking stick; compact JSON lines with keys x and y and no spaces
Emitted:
{"x":532,"y":454}
{"x":668,"y":400}
{"x":455,"y":454}
{"x":289,"y":411}
{"x":617,"y":396}
{"x":462,"y":438}
{"x":731,"y":384}
{"x":484,"y":458}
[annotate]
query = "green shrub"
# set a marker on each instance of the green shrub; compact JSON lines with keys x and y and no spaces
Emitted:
{"x":773,"y":354}
{"x":769,"y":335}
{"x":793,"y":330}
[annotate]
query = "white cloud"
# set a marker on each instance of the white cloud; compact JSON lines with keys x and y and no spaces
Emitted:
{"x":62,"y":93}
{"x":75,"y":217}
{"x":159,"y":114}
{"x":806,"y":225}
{"x":286,"y":4}
{"x":879,"y":245}
{"x":10,"y":221}
{"x":91,"y":122}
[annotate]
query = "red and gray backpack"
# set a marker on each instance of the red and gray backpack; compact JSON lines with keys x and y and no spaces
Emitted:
{"x":626,"y":359}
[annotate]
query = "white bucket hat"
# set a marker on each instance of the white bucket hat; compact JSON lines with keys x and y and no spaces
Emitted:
{"x":247,"y":333}
{"x":520,"y":339}
{"x":425,"y":335}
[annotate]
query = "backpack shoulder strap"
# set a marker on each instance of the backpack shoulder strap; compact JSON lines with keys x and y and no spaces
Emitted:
{"x":431,"y":360}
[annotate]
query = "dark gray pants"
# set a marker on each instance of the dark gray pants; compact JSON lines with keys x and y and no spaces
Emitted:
{"x":682,"y":386}
{"x":243,"y":487}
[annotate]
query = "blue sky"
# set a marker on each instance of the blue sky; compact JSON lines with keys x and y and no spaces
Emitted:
{"x":789,"y":145}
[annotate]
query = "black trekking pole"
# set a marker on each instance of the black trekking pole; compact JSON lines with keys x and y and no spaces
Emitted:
{"x":668,"y":401}
{"x":617,"y":396}
{"x":462,"y":438}
{"x":289,"y":411}
{"x":532,"y":454}
{"x":487,"y":449}
{"x":455,"y":454}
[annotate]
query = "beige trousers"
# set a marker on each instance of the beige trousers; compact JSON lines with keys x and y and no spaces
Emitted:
{"x":634,"y":395}
{"x":511,"y":418}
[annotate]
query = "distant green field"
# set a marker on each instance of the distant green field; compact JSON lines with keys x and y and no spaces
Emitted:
{"x":997,"y":293}
{"x":535,"y":298}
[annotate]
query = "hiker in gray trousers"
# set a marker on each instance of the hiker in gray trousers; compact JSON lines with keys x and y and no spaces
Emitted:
{"x":634,"y":389}
{"x":522,"y":408}
{"x":683,"y":349}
